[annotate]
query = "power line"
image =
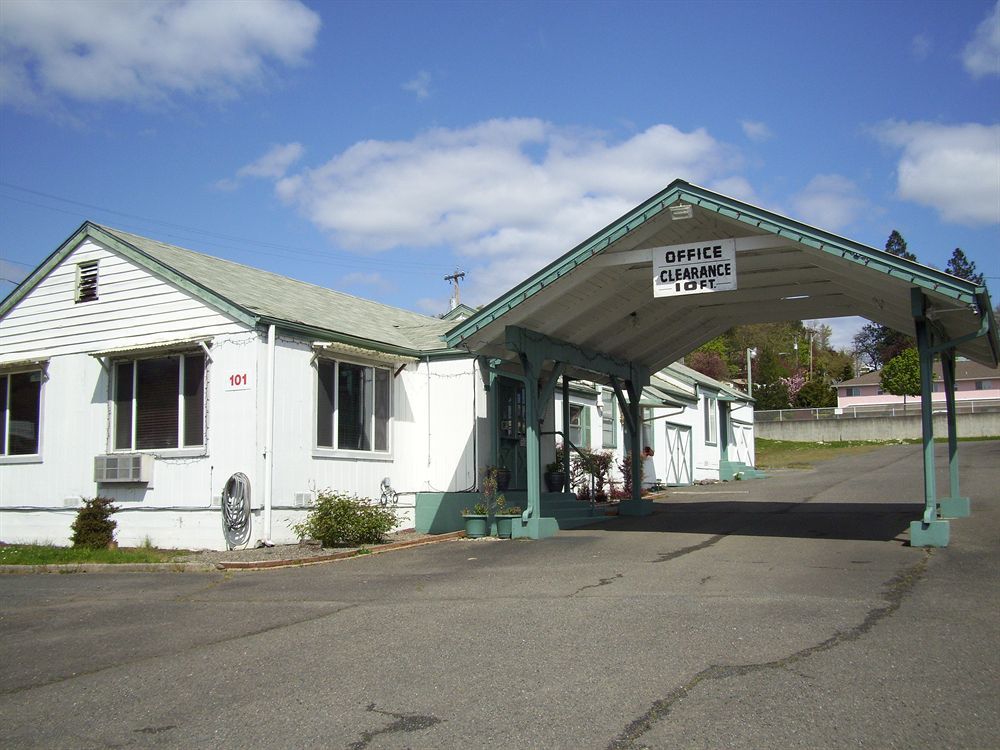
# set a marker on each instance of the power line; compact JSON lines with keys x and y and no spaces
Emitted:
{"x":325,"y":258}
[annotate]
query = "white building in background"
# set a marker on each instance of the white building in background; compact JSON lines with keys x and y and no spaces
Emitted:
{"x":150,"y":374}
{"x":697,"y":427}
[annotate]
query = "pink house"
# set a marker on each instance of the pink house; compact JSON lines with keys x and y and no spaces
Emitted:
{"x":973,"y":382}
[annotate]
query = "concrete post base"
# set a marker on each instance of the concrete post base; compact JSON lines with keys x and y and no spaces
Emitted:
{"x":933,"y":534}
{"x":534,"y":528}
{"x":635,"y":507}
{"x":954,"y":507}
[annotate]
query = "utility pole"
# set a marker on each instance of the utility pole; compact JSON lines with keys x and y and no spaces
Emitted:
{"x":456,"y":296}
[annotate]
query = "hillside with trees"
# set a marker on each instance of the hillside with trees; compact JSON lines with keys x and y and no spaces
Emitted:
{"x":794,"y":364}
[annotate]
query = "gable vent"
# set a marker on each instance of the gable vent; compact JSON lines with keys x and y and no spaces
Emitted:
{"x":86,"y":281}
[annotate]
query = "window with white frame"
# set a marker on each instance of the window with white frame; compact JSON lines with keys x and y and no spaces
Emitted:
{"x":579,"y":425}
{"x":353,"y":406}
{"x":852,"y":390}
{"x":609,"y":421}
{"x":159,"y":403}
{"x":20,"y":413}
{"x":711,"y":420}
{"x":984,"y":385}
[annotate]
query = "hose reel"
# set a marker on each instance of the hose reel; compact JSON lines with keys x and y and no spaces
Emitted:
{"x":236,"y":510}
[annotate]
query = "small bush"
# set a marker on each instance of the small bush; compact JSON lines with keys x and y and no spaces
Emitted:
{"x":93,"y":526}
{"x":337,"y":519}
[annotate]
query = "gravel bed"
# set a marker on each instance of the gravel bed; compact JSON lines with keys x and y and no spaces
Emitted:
{"x":288,"y":551}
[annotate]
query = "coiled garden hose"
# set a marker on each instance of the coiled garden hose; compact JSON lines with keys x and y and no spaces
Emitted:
{"x":236,"y":510}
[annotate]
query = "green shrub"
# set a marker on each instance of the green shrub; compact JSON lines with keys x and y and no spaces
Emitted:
{"x":93,"y":526}
{"x":345,"y":520}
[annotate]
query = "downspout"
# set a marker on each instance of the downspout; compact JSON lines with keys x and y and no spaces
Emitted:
{"x":427,"y":364}
{"x":269,"y":434}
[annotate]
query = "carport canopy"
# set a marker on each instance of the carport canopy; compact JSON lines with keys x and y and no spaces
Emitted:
{"x":599,"y":295}
{"x":592,"y":313}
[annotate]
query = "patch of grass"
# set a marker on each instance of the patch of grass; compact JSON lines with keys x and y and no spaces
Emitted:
{"x":43,"y":554}
{"x":787,"y":454}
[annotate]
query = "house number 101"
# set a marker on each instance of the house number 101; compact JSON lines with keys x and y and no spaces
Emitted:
{"x":238,"y":381}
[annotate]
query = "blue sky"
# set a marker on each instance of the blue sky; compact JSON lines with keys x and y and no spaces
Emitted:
{"x":376,"y":147}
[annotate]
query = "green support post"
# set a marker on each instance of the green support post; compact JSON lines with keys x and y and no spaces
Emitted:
{"x":930,"y":531}
{"x":635,"y":506}
{"x":953,"y":506}
{"x":534,"y":526}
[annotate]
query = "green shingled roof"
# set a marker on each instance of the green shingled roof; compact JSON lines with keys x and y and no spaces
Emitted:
{"x":279,"y":299}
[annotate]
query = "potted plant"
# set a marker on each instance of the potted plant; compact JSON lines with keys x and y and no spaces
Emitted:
{"x":555,"y":474}
{"x":476,"y":520}
{"x":505,"y":517}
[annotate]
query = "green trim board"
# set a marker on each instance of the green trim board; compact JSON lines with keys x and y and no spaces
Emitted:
{"x":542,"y":347}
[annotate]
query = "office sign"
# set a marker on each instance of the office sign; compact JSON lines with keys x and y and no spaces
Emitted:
{"x":694,"y":268}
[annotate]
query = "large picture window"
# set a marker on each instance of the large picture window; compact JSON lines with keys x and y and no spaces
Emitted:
{"x":20,"y":413}
{"x":160,"y":403}
{"x":352,"y":406}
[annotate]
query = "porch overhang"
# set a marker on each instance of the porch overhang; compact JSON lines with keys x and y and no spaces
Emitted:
{"x":599,"y":296}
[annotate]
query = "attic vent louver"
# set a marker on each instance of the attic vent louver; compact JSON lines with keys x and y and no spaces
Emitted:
{"x":86,"y":281}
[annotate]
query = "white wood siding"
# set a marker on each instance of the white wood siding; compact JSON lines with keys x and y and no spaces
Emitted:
{"x":134,"y":308}
{"x":432,"y":440}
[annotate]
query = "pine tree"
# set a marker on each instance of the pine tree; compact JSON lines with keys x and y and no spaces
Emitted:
{"x":875,"y":341}
{"x":896,"y":245}
{"x":959,"y":265}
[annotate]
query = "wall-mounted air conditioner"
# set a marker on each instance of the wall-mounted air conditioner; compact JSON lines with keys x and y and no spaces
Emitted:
{"x":136,"y":468}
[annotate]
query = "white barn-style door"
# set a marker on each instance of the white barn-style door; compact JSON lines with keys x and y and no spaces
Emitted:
{"x":679,"y":455}
{"x":740,"y":449}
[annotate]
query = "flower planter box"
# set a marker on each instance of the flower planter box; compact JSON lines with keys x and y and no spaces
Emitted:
{"x":476,"y":526}
{"x":505,"y":525}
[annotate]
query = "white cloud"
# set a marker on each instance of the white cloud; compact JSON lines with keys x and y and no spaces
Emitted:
{"x":920,"y":46}
{"x":954,"y":169}
{"x":432,"y":305}
{"x":274,"y":163}
{"x":981,"y":55}
{"x":514,"y":193}
{"x":110,"y":50}
{"x":419,"y":86}
{"x":830,"y":201}
{"x":756,"y":131}
{"x":369,"y":279}
{"x":735,"y":187}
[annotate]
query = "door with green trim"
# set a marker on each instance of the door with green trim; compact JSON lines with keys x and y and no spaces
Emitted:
{"x":512,"y":449}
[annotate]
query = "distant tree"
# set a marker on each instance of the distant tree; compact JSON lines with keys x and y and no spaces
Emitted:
{"x":816,"y":394}
{"x":875,"y":342}
{"x":709,"y":363}
{"x":769,"y":368}
{"x":772,"y":396}
{"x":901,"y":375}
{"x":959,"y":265}
{"x":897,"y":246}
{"x":794,"y":383}
{"x":878,"y":344}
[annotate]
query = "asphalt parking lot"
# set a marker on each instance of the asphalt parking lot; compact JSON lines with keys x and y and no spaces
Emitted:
{"x":787,"y":612}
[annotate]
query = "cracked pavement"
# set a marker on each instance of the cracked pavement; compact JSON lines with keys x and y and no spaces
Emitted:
{"x":779,"y":613}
